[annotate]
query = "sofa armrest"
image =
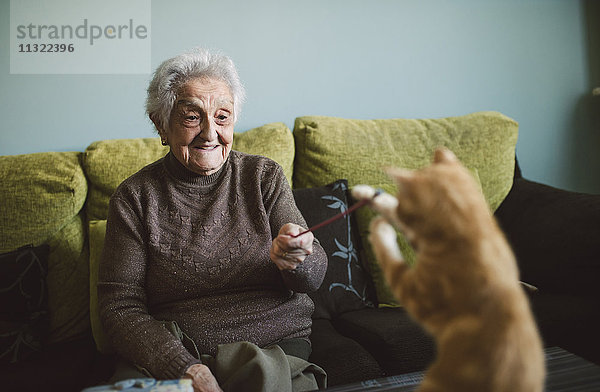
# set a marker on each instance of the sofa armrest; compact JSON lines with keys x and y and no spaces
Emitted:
{"x":571,"y":322}
{"x":555,"y":235}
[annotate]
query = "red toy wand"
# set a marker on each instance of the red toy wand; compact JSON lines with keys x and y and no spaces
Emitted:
{"x":340,"y":215}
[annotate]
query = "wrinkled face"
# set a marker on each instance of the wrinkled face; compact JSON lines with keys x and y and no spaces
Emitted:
{"x":200,"y":130}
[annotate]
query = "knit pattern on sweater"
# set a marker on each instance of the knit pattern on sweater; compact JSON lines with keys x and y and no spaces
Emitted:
{"x":195,"y":250}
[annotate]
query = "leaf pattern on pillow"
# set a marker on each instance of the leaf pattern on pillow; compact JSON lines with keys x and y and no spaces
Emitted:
{"x":346,"y":252}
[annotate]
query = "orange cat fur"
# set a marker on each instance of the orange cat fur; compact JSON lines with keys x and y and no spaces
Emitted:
{"x":464,"y":288}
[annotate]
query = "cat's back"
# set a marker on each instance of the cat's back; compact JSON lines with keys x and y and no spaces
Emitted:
{"x":508,"y":358}
{"x":489,"y":345}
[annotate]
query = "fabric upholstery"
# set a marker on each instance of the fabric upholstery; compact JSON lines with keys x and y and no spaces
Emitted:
{"x":108,"y":162}
{"x":42,"y":197}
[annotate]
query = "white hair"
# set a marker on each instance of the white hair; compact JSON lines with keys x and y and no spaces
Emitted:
{"x":175,"y":72}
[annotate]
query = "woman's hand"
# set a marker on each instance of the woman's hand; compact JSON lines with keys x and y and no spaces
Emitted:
{"x":287,"y":251}
{"x":202,"y":379}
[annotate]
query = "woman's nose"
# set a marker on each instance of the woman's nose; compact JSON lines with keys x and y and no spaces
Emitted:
{"x":208,"y":130}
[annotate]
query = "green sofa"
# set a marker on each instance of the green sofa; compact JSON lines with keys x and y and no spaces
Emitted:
{"x":57,"y":203}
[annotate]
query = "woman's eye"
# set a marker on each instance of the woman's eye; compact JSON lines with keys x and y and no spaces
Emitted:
{"x":222,"y":117}
{"x":191,"y":120}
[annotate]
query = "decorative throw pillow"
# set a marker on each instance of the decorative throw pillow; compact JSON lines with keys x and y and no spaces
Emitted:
{"x":347,"y":285}
{"x":23,"y":302}
{"x":328,"y":148}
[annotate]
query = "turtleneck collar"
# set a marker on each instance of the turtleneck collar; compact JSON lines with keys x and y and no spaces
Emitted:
{"x":185,"y":175}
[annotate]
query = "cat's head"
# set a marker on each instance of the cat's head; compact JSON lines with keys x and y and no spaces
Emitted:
{"x":437,"y":200}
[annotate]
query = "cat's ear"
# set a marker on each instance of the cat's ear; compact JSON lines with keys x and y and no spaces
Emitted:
{"x":444,"y":155}
{"x":400,"y":176}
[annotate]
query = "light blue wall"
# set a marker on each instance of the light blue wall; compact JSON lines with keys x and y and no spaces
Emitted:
{"x":350,"y":58}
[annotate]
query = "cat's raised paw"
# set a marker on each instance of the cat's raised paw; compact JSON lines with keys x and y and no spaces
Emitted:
{"x":381,"y":228}
{"x":384,"y":239}
{"x":362,"y":192}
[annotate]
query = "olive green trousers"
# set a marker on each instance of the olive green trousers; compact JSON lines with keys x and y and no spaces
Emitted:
{"x":245,"y":367}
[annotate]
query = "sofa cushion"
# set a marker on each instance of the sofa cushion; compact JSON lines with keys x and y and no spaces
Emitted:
{"x":42,"y":199}
{"x":108,"y":162}
{"x":346,"y":285}
{"x":40,"y":194}
{"x":328,"y":148}
{"x":398,"y":343}
{"x":23,"y":302}
{"x":343,"y":359}
{"x":273,"y":140}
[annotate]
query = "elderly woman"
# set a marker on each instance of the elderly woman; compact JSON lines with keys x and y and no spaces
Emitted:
{"x":200,"y":249}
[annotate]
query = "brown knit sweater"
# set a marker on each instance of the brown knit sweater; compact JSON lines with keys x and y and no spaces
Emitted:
{"x":195,"y":249}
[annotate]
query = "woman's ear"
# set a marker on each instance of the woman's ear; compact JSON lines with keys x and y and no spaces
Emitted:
{"x":157,"y":124}
{"x":161,"y":131}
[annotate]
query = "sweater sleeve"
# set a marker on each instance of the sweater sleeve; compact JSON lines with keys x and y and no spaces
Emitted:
{"x":281,"y":209}
{"x":132,"y":331}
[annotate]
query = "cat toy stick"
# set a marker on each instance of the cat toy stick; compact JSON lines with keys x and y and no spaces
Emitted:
{"x":340,"y":215}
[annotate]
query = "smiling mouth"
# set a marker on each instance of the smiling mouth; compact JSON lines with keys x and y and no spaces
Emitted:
{"x":206,"y":148}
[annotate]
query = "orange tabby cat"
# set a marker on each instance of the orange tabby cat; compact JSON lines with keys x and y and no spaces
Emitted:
{"x":464,"y":288}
